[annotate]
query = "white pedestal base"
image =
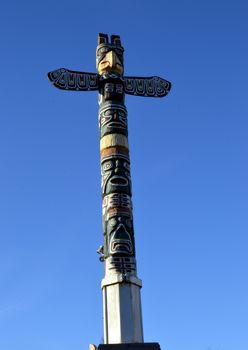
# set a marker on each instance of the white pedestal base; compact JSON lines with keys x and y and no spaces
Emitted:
{"x":122,"y":311}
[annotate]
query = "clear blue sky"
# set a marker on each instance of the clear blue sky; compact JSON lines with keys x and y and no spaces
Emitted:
{"x":189,"y":169}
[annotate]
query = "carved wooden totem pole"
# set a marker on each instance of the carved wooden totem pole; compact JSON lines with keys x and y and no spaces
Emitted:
{"x":120,"y":285}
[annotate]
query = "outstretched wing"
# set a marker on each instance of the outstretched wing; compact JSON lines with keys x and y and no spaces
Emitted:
{"x":66,"y":79}
{"x":148,"y":87}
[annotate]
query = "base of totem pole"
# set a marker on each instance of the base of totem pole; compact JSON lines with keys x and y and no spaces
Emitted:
{"x":130,"y":346}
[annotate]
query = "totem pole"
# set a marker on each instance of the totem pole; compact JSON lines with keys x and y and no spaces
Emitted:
{"x":120,"y":285}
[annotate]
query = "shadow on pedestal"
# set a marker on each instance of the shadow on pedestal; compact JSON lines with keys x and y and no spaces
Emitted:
{"x":130,"y":346}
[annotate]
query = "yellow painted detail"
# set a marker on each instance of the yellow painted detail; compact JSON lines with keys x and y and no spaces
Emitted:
{"x":113,"y":140}
{"x":110,"y":63}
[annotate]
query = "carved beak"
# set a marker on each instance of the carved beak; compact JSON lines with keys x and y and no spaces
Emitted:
{"x":110,"y":63}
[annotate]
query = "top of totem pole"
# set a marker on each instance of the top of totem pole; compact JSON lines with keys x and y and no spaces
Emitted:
{"x":109,"y":64}
{"x":109,"y":55}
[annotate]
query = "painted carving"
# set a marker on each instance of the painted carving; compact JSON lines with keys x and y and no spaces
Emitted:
{"x":109,"y":55}
{"x":119,"y":239}
{"x":70,"y":80}
{"x":147,"y":87}
{"x":112,"y":119}
{"x":121,"y":265}
{"x":118,"y":232}
{"x":113,"y":91}
{"x":116,"y":204}
{"x":119,"y":248}
{"x":115,"y":175}
{"x":66,"y":79}
{"x":118,"y":224}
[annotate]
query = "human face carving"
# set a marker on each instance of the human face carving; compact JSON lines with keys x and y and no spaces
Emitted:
{"x":113,"y":120}
{"x":116,"y":176}
{"x":120,"y":241}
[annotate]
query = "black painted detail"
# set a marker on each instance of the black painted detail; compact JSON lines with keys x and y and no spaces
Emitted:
{"x":66,"y":79}
{"x":130,"y":346}
{"x":147,"y":87}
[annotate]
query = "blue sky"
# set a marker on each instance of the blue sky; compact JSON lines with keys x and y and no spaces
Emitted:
{"x":189,"y":170}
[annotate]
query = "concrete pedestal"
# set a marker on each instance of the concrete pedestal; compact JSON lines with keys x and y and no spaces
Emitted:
{"x":122,"y":311}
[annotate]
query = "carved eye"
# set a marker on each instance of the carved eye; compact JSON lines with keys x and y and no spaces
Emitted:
{"x":106,"y":166}
{"x":118,"y":52}
{"x":126,"y":165}
{"x":101,"y":52}
{"x":109,"y":112}
{"x":104,"y":50}
{"x":112,"y":222}
{"x":122,"y":116}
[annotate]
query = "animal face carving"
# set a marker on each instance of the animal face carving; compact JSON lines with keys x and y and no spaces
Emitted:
{"x":109,"y":56}
{"x":120,"y":241}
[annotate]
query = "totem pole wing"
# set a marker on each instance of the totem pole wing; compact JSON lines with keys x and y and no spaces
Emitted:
{"x":146,"y":86}
{"x":66,"y":79}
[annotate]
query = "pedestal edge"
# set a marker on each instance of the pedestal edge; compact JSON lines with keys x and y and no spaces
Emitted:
{"x":130,"y":346}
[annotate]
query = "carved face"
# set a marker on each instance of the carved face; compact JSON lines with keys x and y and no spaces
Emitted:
{"x":116,"y":176}
{"x":118,"y":224}
{"x":113,"y":119}
{"x":109,"y":58}
{"x":120,"y":241}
